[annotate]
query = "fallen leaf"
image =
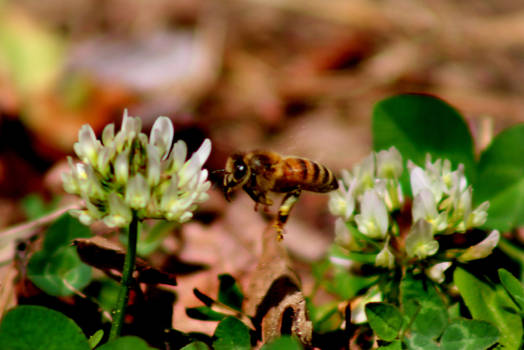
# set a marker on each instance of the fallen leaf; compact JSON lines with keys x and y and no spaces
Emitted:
{"x":274,"y":299}
{"x":109,"y":256}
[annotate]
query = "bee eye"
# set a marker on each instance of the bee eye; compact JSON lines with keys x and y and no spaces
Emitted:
{"x":240,"y":171}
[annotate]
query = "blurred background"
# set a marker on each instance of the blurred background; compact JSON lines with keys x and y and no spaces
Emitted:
{"x":296,"y":76}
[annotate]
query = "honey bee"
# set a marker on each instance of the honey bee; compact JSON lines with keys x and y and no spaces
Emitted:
{"x":261,"y":172}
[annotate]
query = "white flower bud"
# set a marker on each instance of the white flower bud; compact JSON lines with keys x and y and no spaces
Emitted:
{"x":341,"y":202}
{"x":479,"y":215}
{"x":425,"y":208}
{"x":153,"y":165}
{"x":122,"y":167}
{"x":202,"y":153}
{"x":108,"y":135}
{"x":119,"y":213}
{"x":389,"y":163}
{"x":162,"y":136}
{"x":482,"y":249}
{"x":343,"y":237}
{"x":436,"y":272}
{"x":385,"y":257}
{"x":420,"y":180}
{"x":420,"y":242}
{"x":137,"y":192}
{"x":364,"y":173}
{"x":178,"y":156}
{"x":373,"y":219}
{"x":88,"y":146}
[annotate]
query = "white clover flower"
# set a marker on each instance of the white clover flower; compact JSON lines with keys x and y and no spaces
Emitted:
{"x":425,"y":208}
{"x":153,"y":165}
{"x":347,"y":178}
{"x":420,"y":180}
{"x":108,"y":135}
{"x":162,"y":136}
{"x":343,"y":237}
{"x":341,"y":202}
{"x":433,"y":169}
{"x":456,"y":180}
{"x":478,"y":216}
{"x":177,"y":157}
{"x":420,"y":242}
{"x":358,"y":313}
{"x":104,"y":159}
{"x":460,"y":210}
{"x":190,"y":168}
{"x":70,"y":179}
{"x":364,"y":174}
{"x":371,"y":195}
{"x":385,"y":257}
{"x":93,"y":188}
{"x":129,"y":131}
{"x":128,"y":174}
{"x":87,"y":147}
{"x":122,"y":167}
{"x":84,"y":216}
{"x":137,"y":192}
{"x":373,"y":218}
{"x":79,"y":171}
{"x":391,"y":193}
{"x":441,"y":175}
{"x":119,"y":213}
{"x":482,"y":249}
{"x":89,"y":215}
{"x":389,"y":163}
{"x":436,"y":272}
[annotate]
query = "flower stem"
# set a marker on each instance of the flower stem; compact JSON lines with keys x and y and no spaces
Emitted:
{"x":126,"y":282}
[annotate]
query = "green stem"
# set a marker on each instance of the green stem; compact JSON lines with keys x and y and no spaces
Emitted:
{"x":126,"y":282}
{"x":513,"y":251}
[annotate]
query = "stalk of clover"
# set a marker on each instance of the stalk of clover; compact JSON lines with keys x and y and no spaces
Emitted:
{"x":127,"y":177}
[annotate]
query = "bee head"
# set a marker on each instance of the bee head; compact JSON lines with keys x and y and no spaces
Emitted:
{"x":236,"y":173}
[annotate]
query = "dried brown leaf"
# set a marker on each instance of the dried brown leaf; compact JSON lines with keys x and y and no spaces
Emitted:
{"x":274,"y":298}
{"x":109,"y":257}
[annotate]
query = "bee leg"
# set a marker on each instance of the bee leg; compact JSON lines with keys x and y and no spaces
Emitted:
{"x":258,"y":197}
{"x":283,"y":212}
{"x":265,"y":207}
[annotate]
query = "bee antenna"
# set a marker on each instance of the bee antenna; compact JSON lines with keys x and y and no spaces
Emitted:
{"x":220,"y":171}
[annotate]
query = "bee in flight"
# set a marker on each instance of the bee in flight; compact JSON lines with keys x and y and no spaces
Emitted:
{"x":261,"y":172}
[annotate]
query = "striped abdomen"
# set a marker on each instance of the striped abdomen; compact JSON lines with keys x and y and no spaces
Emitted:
{"x":304,"y":174}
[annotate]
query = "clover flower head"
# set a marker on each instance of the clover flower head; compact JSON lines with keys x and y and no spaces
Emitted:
{"x":128,"y":173}
{"x":452,"y":197}
{"x":371,"y":211}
